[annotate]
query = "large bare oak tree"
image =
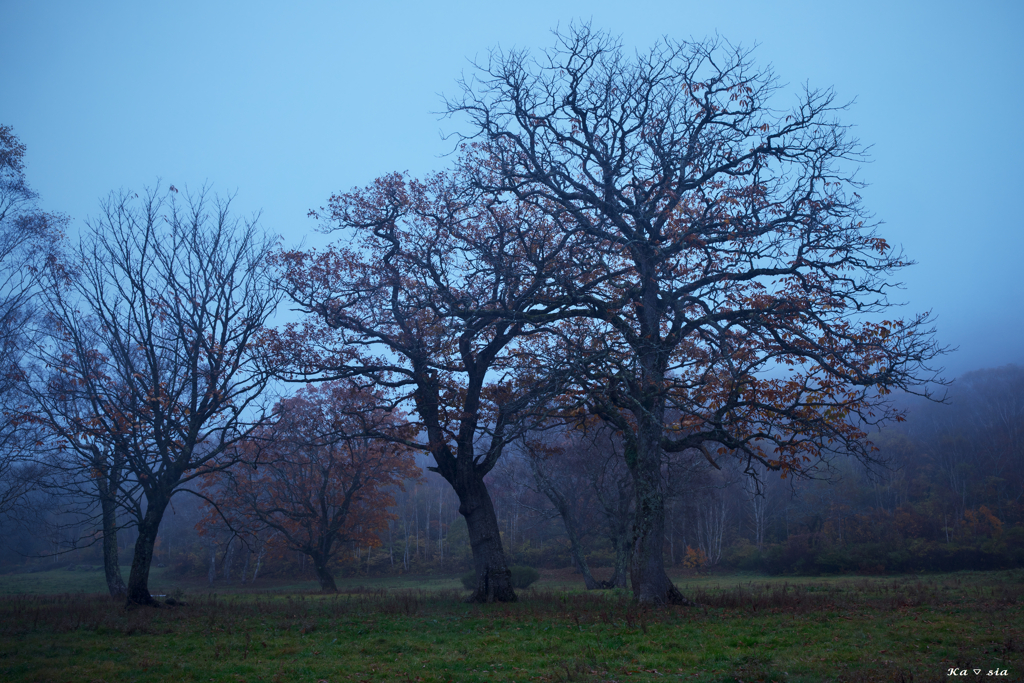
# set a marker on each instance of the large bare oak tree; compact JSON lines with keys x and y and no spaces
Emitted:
{"x":736,"y":290}
{"x":427,"y":298}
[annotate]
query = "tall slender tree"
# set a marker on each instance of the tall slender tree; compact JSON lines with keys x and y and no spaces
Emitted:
{"x":581,"y":472}
{"x":176,"y":293}
{"x":86,"y":461}
{"x":29,"y":239}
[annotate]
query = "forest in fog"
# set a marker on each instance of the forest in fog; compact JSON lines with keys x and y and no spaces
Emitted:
{"x":947,"y":494}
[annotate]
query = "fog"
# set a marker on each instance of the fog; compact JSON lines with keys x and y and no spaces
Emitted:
{"x":287,"y":106}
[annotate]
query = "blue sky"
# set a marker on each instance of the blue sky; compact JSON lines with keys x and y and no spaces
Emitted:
{"x":286,"y":103}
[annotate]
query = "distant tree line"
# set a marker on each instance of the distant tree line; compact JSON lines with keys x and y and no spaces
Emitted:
{"x":914,"y":514}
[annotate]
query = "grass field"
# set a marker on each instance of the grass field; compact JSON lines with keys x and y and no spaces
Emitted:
{"x":415,"y":629}
{"x":163,"y":581}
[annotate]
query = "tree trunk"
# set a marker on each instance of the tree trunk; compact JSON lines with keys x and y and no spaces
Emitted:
{"x":711,"y":529}
{"x":623,"y":548}
{"x":259,"y":562}
{"x":323,"y":575}
{"x":426,"y":530}
{"x":245,"y":567}
{"x":575,"y":545}
{"x":493,"y":578}
{"x":138,"y":580}
{"x":229,"y":557}
{"x":111,"y":566}
{"x":405,"y":534}
{"x":416,"y":520}
{"x":211,"y":572}
{"x":651,"y":584}
{"x":578,"y":556}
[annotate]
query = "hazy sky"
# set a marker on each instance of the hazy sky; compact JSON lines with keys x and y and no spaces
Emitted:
{"x":289,"y":102}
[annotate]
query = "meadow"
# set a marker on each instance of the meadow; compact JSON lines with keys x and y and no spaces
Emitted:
{"x":747,"y":628}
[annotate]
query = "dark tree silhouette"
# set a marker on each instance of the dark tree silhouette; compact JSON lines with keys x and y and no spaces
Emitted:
{"x":427,"y":297}
{"x":86,"y":455}
{"x":29,"y":239}
{"x":581,"y":472}
{"x":729,"y":273}
{"x":162,"y":317}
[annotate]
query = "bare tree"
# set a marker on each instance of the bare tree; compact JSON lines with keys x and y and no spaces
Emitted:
{"x":175,"y":295}
{"x":720,"y":252}
{"x":427,"y":298}
{"x":85,"y":461}
{"x":711,"y":524}
{"x":582,"y":474}
{"x":29,"y":239}
{"x":757,"y":495}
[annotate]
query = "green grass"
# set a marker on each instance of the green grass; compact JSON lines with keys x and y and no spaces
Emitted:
{"x":164,"y":581}
{"x":748,"y":629}
{"x":57,"y":581}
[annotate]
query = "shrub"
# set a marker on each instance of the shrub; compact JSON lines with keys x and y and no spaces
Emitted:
{"x":522,"y":577}
{"x":832,"y":561}
{"x":550,"y":555}
{"x":188,"y":564}
{"x":742,"y":555}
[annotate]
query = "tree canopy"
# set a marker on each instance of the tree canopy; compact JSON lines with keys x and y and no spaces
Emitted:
{"x":729,"y":291}
{"x":320,"y":475}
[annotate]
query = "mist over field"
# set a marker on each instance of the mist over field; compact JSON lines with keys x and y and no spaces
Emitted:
{"x":944,"y":496}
